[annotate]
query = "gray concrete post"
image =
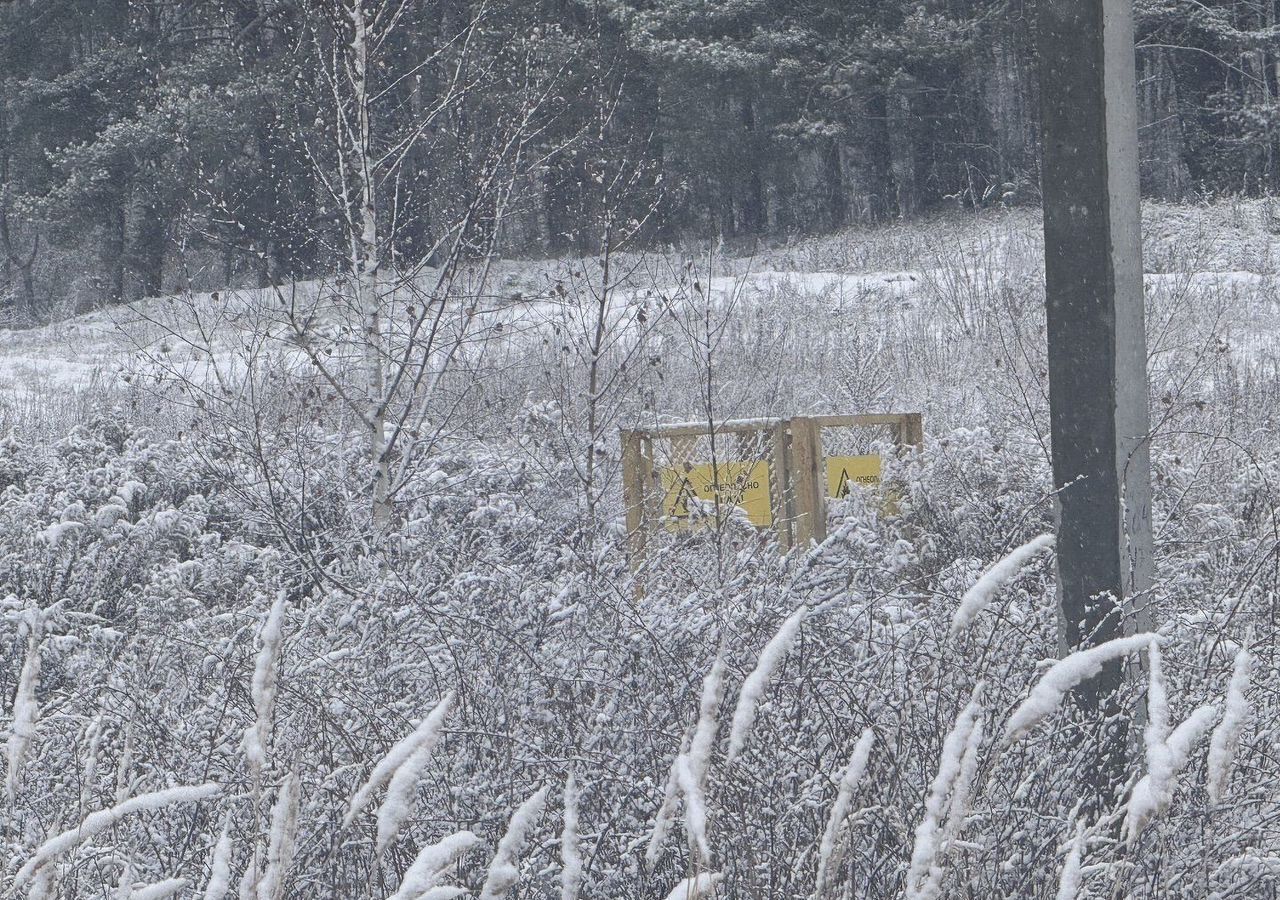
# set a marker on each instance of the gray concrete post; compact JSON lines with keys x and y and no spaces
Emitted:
{"x":1098,"y":394}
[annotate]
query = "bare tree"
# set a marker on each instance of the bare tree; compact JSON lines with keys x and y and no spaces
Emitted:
{"x":408,"y":320}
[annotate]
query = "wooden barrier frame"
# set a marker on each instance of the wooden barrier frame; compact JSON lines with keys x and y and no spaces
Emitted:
{"x":807,"y":475}
{"x":798,"y":491}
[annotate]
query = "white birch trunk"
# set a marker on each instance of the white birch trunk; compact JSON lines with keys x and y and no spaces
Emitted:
{"x":365,"y":264}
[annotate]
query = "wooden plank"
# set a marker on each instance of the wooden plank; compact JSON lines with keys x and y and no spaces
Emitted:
{"x":726,"y":427}
{"x":861,"y":421}
{"x":651,"y":490}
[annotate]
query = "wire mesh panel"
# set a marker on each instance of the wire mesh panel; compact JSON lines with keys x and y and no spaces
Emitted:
{"x":852,"y":457}
{"x":725,"y":460}
{"x":853,"y":450}
{"x":696,"y":476}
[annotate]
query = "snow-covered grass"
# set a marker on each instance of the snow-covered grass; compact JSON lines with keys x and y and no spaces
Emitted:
{"x":199,"y":557}
{"x":1066,"y":674}
{"x":95,"y":823}
{"x":836,"y":819}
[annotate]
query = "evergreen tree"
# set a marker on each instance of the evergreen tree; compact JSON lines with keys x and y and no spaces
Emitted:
{"x":130,"y":130}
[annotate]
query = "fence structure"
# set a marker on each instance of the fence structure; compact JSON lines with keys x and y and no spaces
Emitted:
{"x":777,"y":473}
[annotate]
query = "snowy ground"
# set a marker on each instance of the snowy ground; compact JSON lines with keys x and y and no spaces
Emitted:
{"x":950,"y":262}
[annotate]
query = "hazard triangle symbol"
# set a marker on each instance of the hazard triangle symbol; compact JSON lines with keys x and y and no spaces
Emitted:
{"x":842,"y":487}
{"x":684,"y":493}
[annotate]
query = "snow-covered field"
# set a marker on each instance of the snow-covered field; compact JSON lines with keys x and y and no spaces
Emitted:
{"x":223,"y":680}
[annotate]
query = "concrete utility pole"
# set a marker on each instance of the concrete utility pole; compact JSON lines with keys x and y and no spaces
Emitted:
{"x":1097,"y":340}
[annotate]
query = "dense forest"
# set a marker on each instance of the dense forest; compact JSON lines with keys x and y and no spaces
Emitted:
{"x":150,"y":145}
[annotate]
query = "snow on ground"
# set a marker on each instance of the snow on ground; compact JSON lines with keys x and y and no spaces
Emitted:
{"x":106,"y":345}
{"x":203,"y":332}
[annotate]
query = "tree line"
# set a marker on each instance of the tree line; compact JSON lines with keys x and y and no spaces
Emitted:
{"x":151,"y":145}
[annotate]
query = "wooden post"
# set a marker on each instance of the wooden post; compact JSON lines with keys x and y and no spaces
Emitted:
{"x":780,"y":498}
{"x":802,"y":526}
{"x":1097,"y":343}
{"x":634,"y":497}
{"x":908,"y":434}
{"x":650,"y":492}
{"x":911,"y":432}
{"x":817,"y":481}
{"x":810,"y":492}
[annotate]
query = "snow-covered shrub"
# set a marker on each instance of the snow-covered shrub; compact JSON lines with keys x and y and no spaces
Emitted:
{"x":200,"y":576}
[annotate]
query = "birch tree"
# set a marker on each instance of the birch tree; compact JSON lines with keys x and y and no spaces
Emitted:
{"x":415,"y":314}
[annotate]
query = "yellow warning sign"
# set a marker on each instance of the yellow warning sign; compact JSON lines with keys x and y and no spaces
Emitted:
{"x":744,"y":484}
{"x":843,"y":472}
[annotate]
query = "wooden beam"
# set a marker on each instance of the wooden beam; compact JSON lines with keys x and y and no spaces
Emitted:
{"x":807,"y":483}
{"x":634,"y":498}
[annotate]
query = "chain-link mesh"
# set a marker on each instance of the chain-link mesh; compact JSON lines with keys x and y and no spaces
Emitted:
{"x":737,"y":466}
{"x":853,"y":462}
{"x":856,"y":440}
